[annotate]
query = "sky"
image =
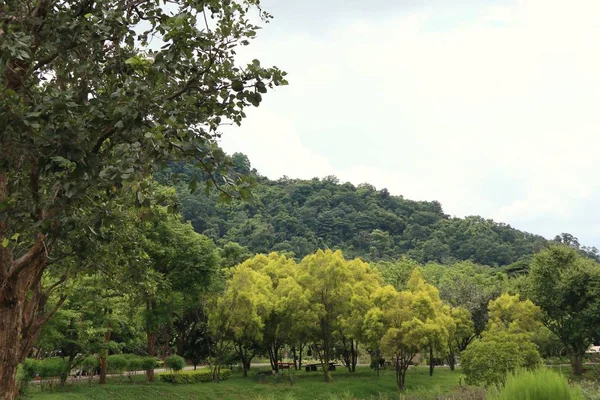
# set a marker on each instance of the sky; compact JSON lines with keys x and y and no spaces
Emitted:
{"x":490,"y":107}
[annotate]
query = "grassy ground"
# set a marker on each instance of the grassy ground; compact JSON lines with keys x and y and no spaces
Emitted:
{"x":363,"y":384}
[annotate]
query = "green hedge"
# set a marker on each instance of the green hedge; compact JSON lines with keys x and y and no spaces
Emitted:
{"x":204,"y":375}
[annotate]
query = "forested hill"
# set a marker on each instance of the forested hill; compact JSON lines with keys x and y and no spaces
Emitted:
{"x":299,"y":216}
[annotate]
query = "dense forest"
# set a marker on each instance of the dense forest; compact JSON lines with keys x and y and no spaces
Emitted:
{"x":297,"y":217}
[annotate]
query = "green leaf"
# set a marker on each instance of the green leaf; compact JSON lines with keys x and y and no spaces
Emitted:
{"x":238,"y":86}
{"x":5,"y":242}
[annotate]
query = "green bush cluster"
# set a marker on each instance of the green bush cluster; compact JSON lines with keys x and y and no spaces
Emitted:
{"x":539,"y":384}
{"x":488,"y":361}
{"x":191,"y":376}
{"x":175,"y":362}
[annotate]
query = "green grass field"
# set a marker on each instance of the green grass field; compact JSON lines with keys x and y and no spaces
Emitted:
{"x":363,"y":384}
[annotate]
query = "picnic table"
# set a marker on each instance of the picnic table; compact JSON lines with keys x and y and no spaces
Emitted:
{"x":313,"y":367}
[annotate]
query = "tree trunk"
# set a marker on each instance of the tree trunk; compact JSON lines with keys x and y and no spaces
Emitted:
{"x":354,"y":352}
{"x":431,"y":361}
{"x":300,"y":356}
{"x":104,"y":357}
{"x":325,"y":358}
{"x":151,"y":343}
{"x":9,"y":351}
{"x":577,"y":363}
{"x":452,"y":360}
{"x":22,"y":306}
{"x":294,"y":357}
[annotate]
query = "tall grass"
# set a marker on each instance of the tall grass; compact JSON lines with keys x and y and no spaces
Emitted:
{"x":539,"y":384}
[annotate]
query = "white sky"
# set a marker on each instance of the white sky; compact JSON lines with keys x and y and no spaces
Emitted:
{"x":490,"y":107}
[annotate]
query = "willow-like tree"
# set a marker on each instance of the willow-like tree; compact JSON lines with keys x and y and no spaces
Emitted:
{"x":327,"y":281}
{"x":89,"y":107}
{"x":409,"y":322}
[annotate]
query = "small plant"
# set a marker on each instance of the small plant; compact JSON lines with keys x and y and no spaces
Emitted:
{"x":134,"y":364}
{"x":51,"y":369}
{"x":540,"y":384}
{"x":117,"y":363}
{"x":148,"y":362}
{"x":90,"y":365}
{"x":175,"y":363}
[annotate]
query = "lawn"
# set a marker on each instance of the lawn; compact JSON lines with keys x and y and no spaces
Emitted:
{"x":363,"y":384}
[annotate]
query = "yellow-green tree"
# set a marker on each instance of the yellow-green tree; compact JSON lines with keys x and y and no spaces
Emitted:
{"x":409,"y":322}
{"x":364,"y":281}
{"x":236,"y":318}
{"x":506,"y":343}
{"x":286,"y":303}
{"x":327,"y":281}
{"x":462,"y":336}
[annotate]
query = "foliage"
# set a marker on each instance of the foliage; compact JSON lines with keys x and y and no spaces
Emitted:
{"x":192,"y":376}
{"x":488,"y":361}
{"x":300,"y":216}
{"x":540,"y":384}
{"x":566,"y":286}
{"x":117,"y":363}
{"x":506,"y":344}
{"x":149,"y":362}
{"x":328,"y":283}
{"x":408,"y":322}
{"x":90,"y":107}
{"x":175,"y":362}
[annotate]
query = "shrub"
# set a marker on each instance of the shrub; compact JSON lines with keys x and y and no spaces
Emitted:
{"x":116,"y":363}
{"x":149,"y":362}
{"x":175,"y":362}
{"x":134,"y":363}
{"x":540,"y":384}
{"x":51,"y":370}
{"x":488,"y":361}
{"x":204,"y":375}
{"x":30,"y":368}
{"x":90,"y":364}
{"x":52,"y":367}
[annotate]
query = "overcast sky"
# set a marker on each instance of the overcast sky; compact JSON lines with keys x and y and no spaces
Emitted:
{"x":490,"y":107}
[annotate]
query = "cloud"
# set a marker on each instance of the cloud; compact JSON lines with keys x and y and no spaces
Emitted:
{"x":490,"y":109}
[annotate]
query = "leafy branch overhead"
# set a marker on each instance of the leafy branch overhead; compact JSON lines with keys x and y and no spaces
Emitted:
{"x":95,"y":95}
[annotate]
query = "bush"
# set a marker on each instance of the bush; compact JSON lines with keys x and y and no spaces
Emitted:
{"x":488,"y":361}
{"x":540,"y":384}
{"x":204,"y":375}
{"x":134,"y":363}
{"x":30,"y":368}
{"x":175,"y":362}
{"x":52,"y":368}
{"x":149,"y":362}
{"x":116,"y":363}
{"x":90,"y":364}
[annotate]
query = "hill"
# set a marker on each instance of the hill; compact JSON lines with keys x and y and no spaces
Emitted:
{"x":298,"y":216}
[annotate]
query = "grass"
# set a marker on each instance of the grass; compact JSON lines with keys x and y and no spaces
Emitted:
{"x":363,"y":384}
{"x":540,"y":384}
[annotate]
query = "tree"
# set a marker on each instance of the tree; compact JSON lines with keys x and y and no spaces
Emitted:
{"x":408,"y":322}
{"x":327,"y":283}
{"x":89,"y":108}
{"x":462,"y":336}
{"x":566,"y":286}
{"x":238,"y":315}
{"x":506,"y":344}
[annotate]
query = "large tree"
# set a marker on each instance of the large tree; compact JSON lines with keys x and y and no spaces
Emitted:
{"x":566,"y":286}
{"x":94,"y":94}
